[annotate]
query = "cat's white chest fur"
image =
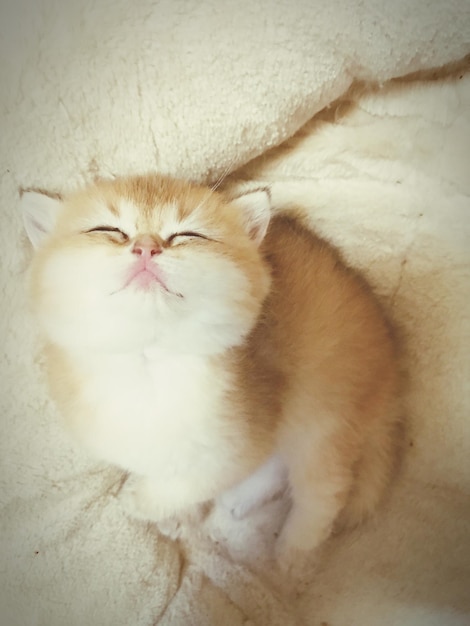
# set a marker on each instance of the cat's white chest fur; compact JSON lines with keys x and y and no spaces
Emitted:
{"x":153,"y":413}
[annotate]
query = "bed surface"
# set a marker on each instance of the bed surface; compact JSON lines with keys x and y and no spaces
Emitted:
{"x":383,"y":173}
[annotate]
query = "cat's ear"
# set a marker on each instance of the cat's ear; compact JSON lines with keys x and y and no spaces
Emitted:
{"x":39,"y":212}
{"x":256,"y":209}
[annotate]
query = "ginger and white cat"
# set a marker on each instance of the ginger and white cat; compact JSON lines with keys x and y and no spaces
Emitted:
{"x":214,"y":351}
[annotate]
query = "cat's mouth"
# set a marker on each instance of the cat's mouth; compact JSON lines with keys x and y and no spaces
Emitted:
{"x":145,"y":279}
{"x":146,"y":276}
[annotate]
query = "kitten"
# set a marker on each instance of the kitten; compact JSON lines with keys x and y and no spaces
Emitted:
{"x":215,"y":351}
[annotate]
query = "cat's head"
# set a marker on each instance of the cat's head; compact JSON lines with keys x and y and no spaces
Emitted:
{"x":147,"y":261}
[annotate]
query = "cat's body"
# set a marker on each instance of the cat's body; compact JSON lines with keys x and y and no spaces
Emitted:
{"x":212,"y":360}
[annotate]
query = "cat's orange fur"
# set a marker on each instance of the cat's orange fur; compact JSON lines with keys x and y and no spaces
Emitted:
{"x":311,"y":387}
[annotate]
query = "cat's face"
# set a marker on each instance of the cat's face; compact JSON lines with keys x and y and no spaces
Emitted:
{"x":147,"y":261}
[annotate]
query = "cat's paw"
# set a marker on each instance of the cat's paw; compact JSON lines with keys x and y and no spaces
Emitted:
{"x":138,"y":501}
{"x":175,"y":526}
{"x":237,"y":504}
{"x":287,"y":555}
{"x":299,"y":551}
{"x":293,"y":563}
{"x":171,"y":527}
{"x":238,"y":510}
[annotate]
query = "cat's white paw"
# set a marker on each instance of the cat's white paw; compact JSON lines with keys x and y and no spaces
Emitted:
{"x":140,"y":501}
{"x":292,"y":561}
{"x":268,"y":481}
{"x":299,"y":546}
{"x":137,"y":499}
{"x":171,"y":527}
{"x":175,"y":526}
{"x":237,"y":507}
{"x":287,"y":554}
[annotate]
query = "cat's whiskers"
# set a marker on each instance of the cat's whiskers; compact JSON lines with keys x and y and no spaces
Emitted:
{"x":223,"y":176}
{"x":226,"y":172}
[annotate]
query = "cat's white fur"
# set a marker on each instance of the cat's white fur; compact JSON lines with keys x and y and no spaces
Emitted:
{"x":157,"y":415}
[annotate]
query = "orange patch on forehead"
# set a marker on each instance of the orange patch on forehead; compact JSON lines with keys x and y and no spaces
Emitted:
{"x":113,"y":208}
{"x":160,"y":204}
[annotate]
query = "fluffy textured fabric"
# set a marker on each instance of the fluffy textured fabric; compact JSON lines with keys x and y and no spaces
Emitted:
{"x":190,"y":88}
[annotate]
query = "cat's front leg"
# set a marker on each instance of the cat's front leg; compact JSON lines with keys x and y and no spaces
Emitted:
{"x":142,"y":498}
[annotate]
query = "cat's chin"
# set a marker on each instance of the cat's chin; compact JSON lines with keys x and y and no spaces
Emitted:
{"x":170,"y":330}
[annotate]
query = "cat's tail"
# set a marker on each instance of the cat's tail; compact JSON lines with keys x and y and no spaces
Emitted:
{"x":373,"y":473}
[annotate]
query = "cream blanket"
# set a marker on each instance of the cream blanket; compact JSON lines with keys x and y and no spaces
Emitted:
{"x":191,"y":88}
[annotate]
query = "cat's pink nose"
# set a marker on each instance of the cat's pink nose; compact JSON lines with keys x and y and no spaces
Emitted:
{"x":146,"y":246}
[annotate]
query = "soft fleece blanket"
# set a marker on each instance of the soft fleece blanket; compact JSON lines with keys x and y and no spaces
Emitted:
{"x":196,"y":89}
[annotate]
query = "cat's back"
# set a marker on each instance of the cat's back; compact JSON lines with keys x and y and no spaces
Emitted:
{"x":321,"y":316}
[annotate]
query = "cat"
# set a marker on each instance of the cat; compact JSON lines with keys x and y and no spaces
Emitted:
{"x":215,"y":351}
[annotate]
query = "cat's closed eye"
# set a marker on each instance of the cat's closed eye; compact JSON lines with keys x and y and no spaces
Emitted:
{"x":180,"y":237}
{"x":117,"y":234}
{"x":111,"y":230}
